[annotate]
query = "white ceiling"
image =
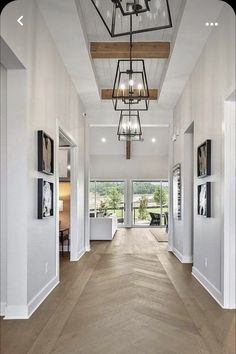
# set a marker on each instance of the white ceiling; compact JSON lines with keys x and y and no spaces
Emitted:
{"x":113,"y":147}
{"x":97,"y":32}
{"x":187,"y":46}
{"x":72,"y":29}
{"x":74,"y":23}
{"x":104,"y":68}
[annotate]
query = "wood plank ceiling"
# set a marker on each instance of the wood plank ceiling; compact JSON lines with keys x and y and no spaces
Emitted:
{"x":154,"y":47}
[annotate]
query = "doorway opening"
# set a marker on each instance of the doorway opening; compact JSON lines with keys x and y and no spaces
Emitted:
{"x":65,"y":190}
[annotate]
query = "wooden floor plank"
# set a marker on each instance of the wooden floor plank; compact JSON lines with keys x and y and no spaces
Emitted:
{"x":128,"y":296}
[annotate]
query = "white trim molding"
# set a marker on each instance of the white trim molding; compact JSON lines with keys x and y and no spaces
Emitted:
{"x":79,"y":255}
{"x":210,"y":288}
{"x":16,"y":312}
{"x":41,"y":296}
{"x":24,"y":312}
{"x":181,"y":257}
{"x":2,"y":308}
{"x":228,"y":252}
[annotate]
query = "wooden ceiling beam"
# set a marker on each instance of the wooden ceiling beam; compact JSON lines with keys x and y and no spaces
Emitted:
{"x":128,"y":150}
{"x":106,"y":94}
{"x":120,"y":50}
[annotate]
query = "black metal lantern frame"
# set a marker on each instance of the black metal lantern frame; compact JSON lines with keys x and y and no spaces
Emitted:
{"x":131,"y":138}
{"x":130,"y":86}
{"x":129,"y":126}
{"x":148,"y":15}
{"x":135,"y":7}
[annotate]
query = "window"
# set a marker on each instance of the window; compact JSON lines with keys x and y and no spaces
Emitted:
{"x":150,"y":203}
{"x":106,"y":198}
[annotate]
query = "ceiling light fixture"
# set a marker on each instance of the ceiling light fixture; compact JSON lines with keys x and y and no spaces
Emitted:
{"x":130,"y":85}
{"x":148,"y":15}
{"x":103,"y":140}
{"x":129,"y":126}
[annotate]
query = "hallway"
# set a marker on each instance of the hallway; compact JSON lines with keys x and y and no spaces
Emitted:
{"x":128,"y":296}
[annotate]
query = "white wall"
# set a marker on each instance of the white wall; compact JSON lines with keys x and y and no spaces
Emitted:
{"x":138,"y":167}
{"x":148,"y":160}
{"x":202,"y":101}
{"x":51,"y":99}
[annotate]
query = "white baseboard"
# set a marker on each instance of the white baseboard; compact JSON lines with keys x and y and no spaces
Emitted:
{"x":183,"y":259}
{"x":24,"y":312}
{"x":77,"y":257}
{"x":2,"y":308}
{"x":88,"y":248}
{"x":211,"y":289}
{"x":42,"y":294}
{"x":16,"y":312}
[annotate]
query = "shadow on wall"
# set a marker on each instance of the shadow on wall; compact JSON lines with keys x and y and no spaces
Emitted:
{"x":64,"y":196}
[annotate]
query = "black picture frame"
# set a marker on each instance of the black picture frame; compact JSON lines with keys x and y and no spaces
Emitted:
{"x":204,"y":159}
{"x":45,"y":153}
{"x":204,"y":199}
{"x":177,"y":190}
{"x":45,"y":198}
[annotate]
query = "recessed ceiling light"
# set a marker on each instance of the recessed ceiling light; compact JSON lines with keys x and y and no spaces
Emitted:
{"x":153,"y":140}
{"x":211,"y":24}
{"x":207,"y":24}
{"x":69,"y":167}
{"x":216,"y":24}
{"x":103,"y":140}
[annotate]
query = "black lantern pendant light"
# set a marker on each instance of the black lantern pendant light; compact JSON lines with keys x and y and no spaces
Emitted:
{"x":148,"y":15}
{"x":130,"y":85}
{"x":129,"y":126}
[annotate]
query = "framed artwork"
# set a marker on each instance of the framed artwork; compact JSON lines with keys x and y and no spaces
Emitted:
{"x":45,"y":198}
{"x":204,"y":159}
{"x":204,"y":199}
{"x":177,"y":192}
{"x":45,"y":153}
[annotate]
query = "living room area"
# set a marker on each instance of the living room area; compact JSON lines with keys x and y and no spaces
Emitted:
{"x":134,"y":191}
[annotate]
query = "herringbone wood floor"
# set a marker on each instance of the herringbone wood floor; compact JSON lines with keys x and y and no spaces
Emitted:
{"x":127,"y":296}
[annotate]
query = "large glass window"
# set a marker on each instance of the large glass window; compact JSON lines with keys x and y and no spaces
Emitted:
{"x":106,"y":198}
{"x":150,"y":203}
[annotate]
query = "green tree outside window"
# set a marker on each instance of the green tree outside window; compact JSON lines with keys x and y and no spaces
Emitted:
{"x":143,"y":203}
{"x":160,"y":196}
{"x":114,"y":198}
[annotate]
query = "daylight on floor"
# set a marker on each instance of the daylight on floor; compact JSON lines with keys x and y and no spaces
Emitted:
{"x":117,"y":177}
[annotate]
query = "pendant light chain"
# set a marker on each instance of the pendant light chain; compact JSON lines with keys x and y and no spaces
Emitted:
{"x":130,"y":54}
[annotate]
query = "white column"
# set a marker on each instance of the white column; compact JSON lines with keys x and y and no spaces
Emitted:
{"x":17,"y":195}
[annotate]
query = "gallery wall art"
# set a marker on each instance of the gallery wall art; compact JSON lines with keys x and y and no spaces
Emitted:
{"x":204,"y":159}
{"x":204,"y":199}
{"x":177,"y":192}
{"x":45,"y":198}
{"x":45,"y":153}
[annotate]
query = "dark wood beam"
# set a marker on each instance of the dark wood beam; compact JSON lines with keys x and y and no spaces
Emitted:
{"x":120,"y":50}
{"x":128,"y":150}
{"x":106,"y":94}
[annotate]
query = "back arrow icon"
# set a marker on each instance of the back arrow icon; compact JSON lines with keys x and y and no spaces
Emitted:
{"x":19,"y":20}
